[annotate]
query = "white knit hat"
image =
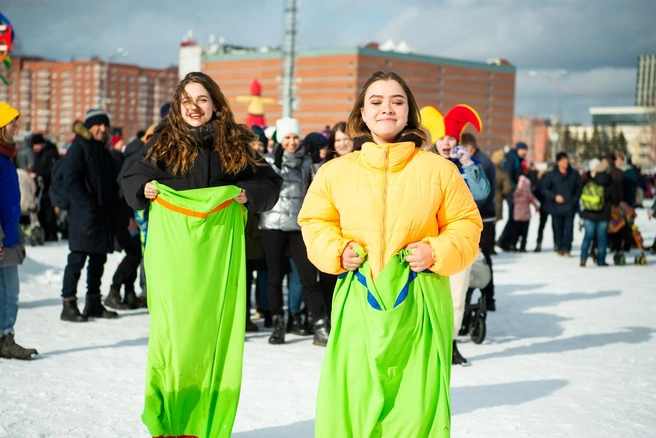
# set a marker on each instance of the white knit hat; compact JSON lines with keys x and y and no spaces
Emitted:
{"x":286,"y":126}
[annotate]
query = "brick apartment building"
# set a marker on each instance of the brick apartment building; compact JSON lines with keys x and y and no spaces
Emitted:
{"x":535,"y":133}
{"x":329,"y":80}
{"x":51,"y":95}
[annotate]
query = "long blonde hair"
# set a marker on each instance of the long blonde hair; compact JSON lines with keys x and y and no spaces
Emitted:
{"x":232,"y":140}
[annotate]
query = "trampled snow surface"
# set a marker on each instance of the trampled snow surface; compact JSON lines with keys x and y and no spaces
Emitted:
{"x":570,"y":352}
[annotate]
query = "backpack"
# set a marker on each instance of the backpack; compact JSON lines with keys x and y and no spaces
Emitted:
{"x":593,"y":196}
{"x":58,"y":193}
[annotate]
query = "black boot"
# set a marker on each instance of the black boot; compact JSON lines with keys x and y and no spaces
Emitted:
{"x":321,"y":332}
{"x":250,"y":325}
{"x":113,"y":300}
{"x":71,"y":313}
{"x":298,"y":327}
{"x":456,"y":357}
{"x":538,"y":248}
{"x":278,"y":335}
{"x":131,"y":301}
{"x":95,"y":309}
{"x":9,"y":349}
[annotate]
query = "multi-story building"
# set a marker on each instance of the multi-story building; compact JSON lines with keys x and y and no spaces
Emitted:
{"x":646,"y":81}
{"x":51,"y":95}
{"x":329,"y":80}
{"x":535,"y":133}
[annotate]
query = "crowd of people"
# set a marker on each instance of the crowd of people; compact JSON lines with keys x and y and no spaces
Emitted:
{"x":384,"y":206}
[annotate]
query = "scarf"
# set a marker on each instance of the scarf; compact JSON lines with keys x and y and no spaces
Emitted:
{"x":8,"y":149}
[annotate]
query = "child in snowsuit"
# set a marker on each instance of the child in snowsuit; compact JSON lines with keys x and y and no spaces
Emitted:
{"x":523,"y":197}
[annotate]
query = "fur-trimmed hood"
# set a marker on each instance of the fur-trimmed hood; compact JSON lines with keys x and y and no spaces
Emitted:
{"x":81,"y":130}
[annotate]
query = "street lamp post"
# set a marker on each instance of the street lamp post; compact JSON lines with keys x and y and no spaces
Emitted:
{"x":554,"y":80}
{"x":120,"y":52}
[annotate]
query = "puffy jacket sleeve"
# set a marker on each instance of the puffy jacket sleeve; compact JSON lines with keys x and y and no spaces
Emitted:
{"x":320,"y":226}
{"x":460,"y":226}
{"x":134,"y":181}
{"x":262,"y":189}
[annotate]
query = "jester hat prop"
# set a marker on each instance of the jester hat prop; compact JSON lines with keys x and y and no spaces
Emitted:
{"x":453,"y":124}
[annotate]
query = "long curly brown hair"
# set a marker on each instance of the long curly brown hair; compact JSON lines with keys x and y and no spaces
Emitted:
{"x":175,"y":147}
{"x":357,"y":128}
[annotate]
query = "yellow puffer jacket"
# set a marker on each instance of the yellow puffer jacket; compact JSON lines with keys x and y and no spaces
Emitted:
{"x":384,"y":198}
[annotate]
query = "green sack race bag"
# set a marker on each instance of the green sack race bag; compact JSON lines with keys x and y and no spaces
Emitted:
{"x":196,"y":270}
{"x":387,"y":368}
{"x":593,"y":196}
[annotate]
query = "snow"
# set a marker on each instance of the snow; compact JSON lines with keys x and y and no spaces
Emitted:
{"x":571,"y":352}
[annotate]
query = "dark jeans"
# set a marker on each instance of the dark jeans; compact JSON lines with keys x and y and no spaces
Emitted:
{"x":598,"y":229}
{"x":275,"y":243}
{"x":487,"y":246}
{"x":522,"y":233}
{"x":327,"y":283}
{"x":543,"y":222}
{"x":261,"y":298}
{"x":564,"y":226}
{"x":507,"y":236}
{"x":73,"y":270}
{"x":126,"y":273}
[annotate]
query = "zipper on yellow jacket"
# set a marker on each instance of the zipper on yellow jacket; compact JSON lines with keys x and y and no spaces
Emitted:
{"x":383,"y":245}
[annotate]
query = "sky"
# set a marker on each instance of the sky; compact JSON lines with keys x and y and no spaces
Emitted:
{"x":596,"y":42}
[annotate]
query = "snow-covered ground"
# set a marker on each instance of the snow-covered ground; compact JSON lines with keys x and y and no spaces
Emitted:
{"x":570,"y":352}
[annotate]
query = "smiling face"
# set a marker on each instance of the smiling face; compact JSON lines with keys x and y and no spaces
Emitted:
{"x":342,"y":144}
{"x":99,"y":132}
{"x":290,"y":142}
{"x":196,"y":107}
{"x":445,"y":145}
{"x":385,"y":110}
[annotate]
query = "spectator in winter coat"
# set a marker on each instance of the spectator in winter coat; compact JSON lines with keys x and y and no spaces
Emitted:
{"x":562,"y":190}
{"x":512,"y":165}
{"x":12,"y":248}
{"x":503,"y":187}
{"x":523,"y":198}
{"x":596,"y":211}
{"x":90,"y":180}
{"x":619,"y":180}
{"x":280,"y":230}
{"x":544,"y":211}
{"x":45,"y":155}
{"x":487,"y":208}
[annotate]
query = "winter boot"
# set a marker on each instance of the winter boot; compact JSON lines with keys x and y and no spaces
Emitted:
{"x":456,"y":357}
{"x":11,"y":350}
{"x":131,"y":301}
{"x":278,"y":335}
{"x":321,"y":332}
{"x":71,"y":313}
{"x":250,"y":325}
{"x":113,"y":300}
{"x":95,"y":309}
{"x":298,"y":327}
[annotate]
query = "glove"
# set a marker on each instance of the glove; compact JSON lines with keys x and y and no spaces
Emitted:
{"x":461,"y":153}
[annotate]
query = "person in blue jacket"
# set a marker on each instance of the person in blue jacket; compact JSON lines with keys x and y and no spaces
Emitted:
{"x":12,"y":248}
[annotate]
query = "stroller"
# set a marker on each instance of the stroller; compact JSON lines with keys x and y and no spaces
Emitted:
{"x":31,"y":193}
{"x":473,"y":322}
{"x":623,"y":234}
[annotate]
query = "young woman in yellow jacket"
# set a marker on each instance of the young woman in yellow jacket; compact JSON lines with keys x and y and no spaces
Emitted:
{"x":398,"y":204}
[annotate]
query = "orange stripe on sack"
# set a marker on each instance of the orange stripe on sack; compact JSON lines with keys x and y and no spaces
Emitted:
{"x":192,"y":213}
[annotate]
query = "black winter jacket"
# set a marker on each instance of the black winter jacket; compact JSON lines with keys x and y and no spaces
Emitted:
{"x":262,"y":185}
{"x":90,"y":179}
{"x":611,"y":196}
{"x":568,"y":185}
{"x":43,"y":162}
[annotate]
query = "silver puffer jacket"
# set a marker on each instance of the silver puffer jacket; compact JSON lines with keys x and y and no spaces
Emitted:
{"x":296,"y":172}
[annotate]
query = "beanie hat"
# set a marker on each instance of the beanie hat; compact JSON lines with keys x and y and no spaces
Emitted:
{"x":164,"y":110}
{"x":313,"y":143}
{"x":96,"y":117}
{"x":286,"y":126}
{"x":38,"y":139}
{"x":592,"y":164}
{"x":521,"y":145}
{"x":7,"y":114}
{"x":601,"y":167}
{"x":269,"y":132}
{"x":260,"y":135}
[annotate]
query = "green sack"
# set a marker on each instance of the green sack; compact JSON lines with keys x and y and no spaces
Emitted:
{"x":196,"y":270}
{"x":387,"y":368}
